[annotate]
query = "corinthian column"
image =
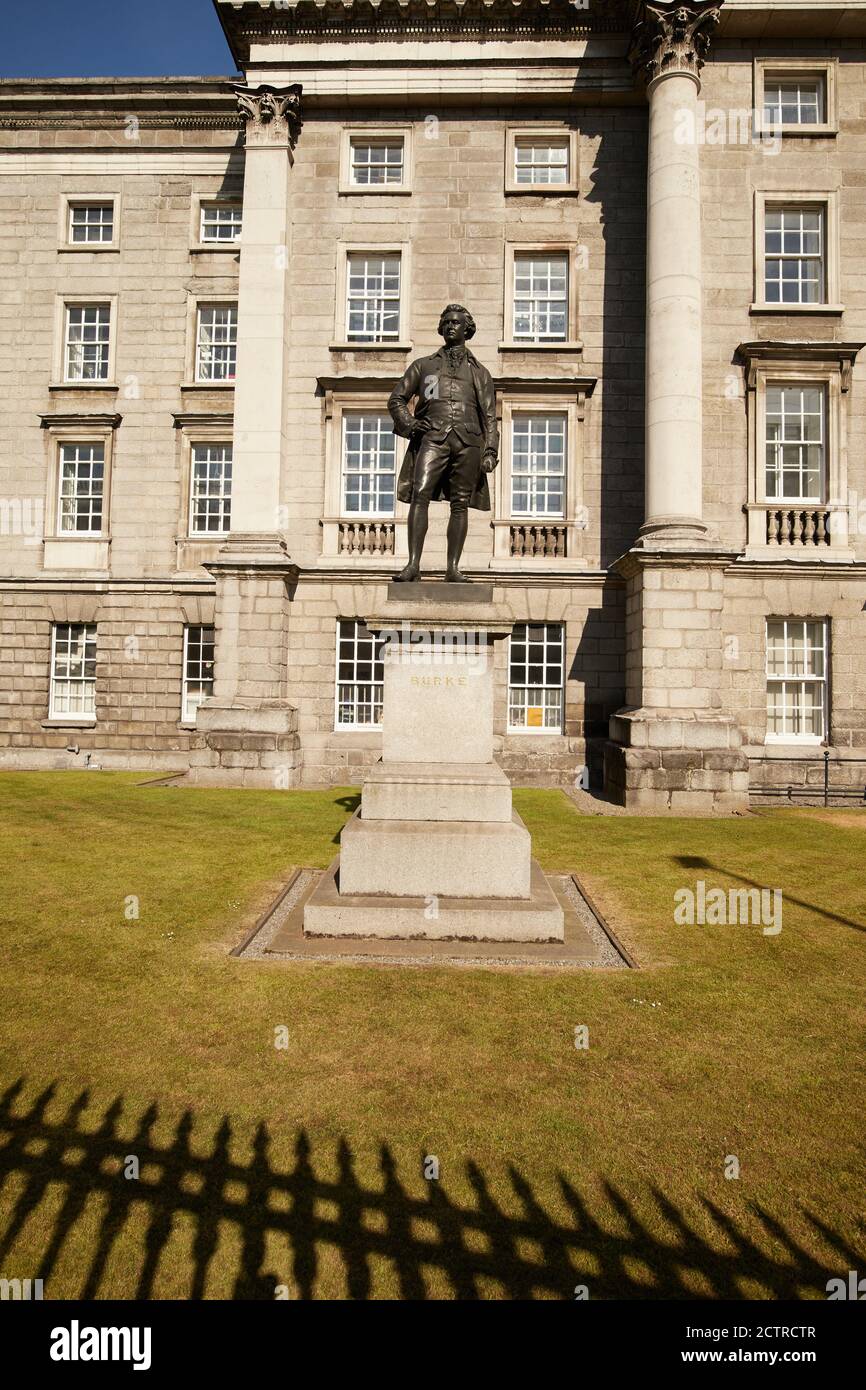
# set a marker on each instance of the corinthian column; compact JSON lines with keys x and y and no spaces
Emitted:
{"x":668,"y":50}
{"x":249,"y":727}
{"x":273,"y":121}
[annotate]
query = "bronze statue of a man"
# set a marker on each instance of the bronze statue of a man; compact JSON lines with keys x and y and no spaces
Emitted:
{"x":453,"y":438}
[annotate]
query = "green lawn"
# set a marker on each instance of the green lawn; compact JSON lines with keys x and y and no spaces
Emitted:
{"x":301,"y":1167}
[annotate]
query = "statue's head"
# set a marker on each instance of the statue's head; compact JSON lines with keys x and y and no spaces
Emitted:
{"x":456,"y":325}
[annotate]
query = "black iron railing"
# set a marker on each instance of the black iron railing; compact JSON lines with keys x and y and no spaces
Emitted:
{"x":792,"y":792}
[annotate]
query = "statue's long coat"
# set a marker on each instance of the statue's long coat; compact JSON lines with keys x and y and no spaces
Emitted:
{"x":404,"y":421}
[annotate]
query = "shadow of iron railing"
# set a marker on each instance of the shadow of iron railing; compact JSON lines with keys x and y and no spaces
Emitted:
{"x":481,"y":1248}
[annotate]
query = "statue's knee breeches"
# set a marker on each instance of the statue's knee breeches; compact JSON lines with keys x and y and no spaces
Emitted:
{"x":431,"y":461}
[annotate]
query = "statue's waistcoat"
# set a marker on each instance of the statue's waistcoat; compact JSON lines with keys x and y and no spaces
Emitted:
{"x":449,"y":401}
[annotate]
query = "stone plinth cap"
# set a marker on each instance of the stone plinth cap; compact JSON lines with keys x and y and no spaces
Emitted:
{"x":266,"y":717}
{"x":409,"y":620}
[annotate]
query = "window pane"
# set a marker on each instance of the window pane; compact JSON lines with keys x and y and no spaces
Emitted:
{"x":369,"y":465}
{"x":73,"y":670}
{"x":216,"y":352}
{"x":198,"y":674}
{"x":796,"y":678}
{"x":210,"y":489}
{"x":377,"y":162}
{"x":540,"y":297}
{"x":373,"y":298}
{"x":91,"y":223}
{"x":794,"y":268}
{"x":538,"y":465}
{"x":221,"y":222}
{"x":87,"y":342}
{"x":795,"y":443}
{"x":541,"y":162}
{"x":535,"y":683}
{"x":82,"y":473}
{"x":360,"y":676}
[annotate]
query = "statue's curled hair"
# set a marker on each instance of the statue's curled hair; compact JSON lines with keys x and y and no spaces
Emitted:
{"x":458,"y":308}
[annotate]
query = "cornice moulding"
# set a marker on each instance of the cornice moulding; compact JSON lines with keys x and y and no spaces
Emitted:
{"x":247,"y":24}
{"x":842,"y":354}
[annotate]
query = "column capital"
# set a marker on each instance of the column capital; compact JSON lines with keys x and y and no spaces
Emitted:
{"x":272,"y":114}
{"x":672,"y":38}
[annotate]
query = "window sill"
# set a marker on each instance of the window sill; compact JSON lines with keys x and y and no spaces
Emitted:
{"x":544,"y":190}
{"x":97,"y":247}
{"x":68,"y":721}
{"x":378,"y":190}
{"x":796,"y":309}
{"x":73,"y":537}
{"x":370,"y":347}
{"x":778,"y":743}
{"x":207,"y":385}
{"x":768,"y":132}
{"x":207,"y":248}
{"x":571,"y":345}
{"x":83,"y":386}
{"x":534,"y":733}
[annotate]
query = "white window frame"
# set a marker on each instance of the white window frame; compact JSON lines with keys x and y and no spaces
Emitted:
{"x":570,"y":342}
{"x":383,"y":305}
{"x":823,"y":682}
{"x":540,"y":135}
{"x":528,"y":399}
{"x":339,"y":726}
{"x":829,"y":202}
{"x":71,"y":716}
{"x":77,"y":444}
{"x":187,"y":714}
{"x":518,"y":416}
{"x":799,"y":365}
{"x":70,"y":200}
{"x":373,"y":513}
{"x":770,"y":70}
{"x":376,"y":134}
{"x":233,"y":205}
{"x":537,"y":730}
{"x":197,"y":443}
{"x":780,"y":500}
{"x":204,"y":303}
{"x":811,"y":264}
{"x":66,"y":304}
{"x":341,"y":341}
{"x":337,"y":403}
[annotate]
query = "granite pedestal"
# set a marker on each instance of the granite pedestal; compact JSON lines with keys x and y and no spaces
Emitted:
{"x":436,"y":849}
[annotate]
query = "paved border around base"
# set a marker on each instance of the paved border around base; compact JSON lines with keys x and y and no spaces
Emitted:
{"x":586,"y":945}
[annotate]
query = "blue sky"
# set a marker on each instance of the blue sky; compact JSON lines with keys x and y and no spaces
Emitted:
{"x":112,"y":38}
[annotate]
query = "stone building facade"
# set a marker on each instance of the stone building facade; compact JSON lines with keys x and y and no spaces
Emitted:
{"x":655,"y":213}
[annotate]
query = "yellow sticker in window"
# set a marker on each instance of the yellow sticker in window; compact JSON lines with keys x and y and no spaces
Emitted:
{"x":535,"y":717}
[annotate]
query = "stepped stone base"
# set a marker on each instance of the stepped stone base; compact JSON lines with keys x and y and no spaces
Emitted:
{"x":435,"y":857}
{"x":330,"y":912}
{"x":429,"y":792}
